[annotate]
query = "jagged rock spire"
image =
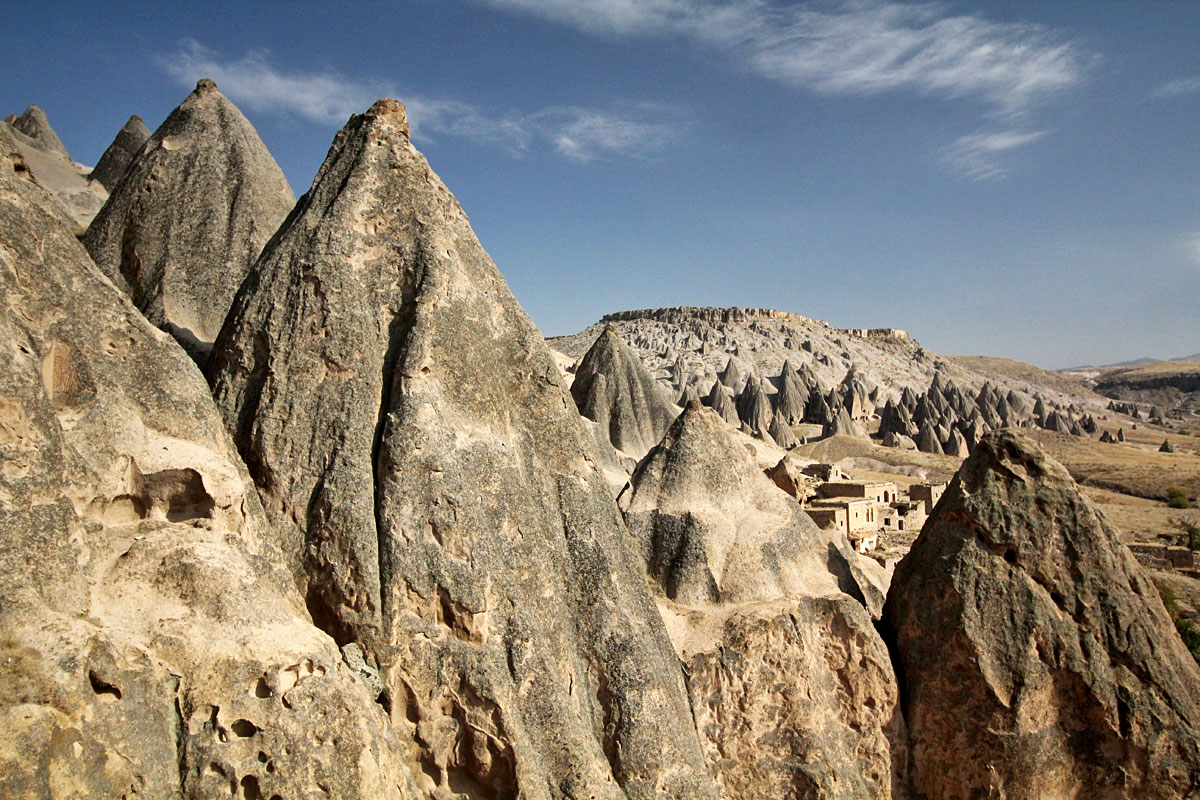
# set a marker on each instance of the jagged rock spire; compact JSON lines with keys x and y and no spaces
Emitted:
{"x":406,"y":422}
{"x":119,"y":155}
{"x":614,"y":390}
{"x":195,"y":207}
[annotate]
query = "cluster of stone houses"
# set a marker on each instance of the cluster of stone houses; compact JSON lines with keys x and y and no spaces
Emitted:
{"x":860,"y":509}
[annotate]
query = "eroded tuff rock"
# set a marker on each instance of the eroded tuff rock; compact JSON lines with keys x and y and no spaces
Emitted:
{"x":441,"y":501}
{"x":613,"y":389}
{"x":191,"y":214}
{"x":1036,"y":656}
{"x":34,"y":124}
{"x":117,"y":158}
{"x":792,"y":689}
{"x":151,"y":644}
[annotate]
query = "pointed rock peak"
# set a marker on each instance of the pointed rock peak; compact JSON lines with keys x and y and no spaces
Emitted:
{"x":1166,"y":447}
{"x":613,"y":388}
{"x":205,"y":162}
{"x":205,"y":86}
{"x":116,"y":159}
{"x":1018,"y":618}
{"x":34,"y":124}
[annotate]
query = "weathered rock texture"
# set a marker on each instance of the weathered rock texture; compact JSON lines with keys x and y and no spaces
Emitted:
{"x":33,"y":123}
{"x":792,"y":690}
{"x":613,"y":389}
{"x":117,"y":158}
{"x":151,"y":643}
{"x":1035,"y":654}
{"x":439,"y":497}
{"x":192,"y":213}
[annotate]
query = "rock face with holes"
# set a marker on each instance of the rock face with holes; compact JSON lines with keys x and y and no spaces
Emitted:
{"x":792,"y":689}
{"x":191,"y":214}
{"x":116,"y":159}
{"x":151,"y":641}
{"x":613,"y":389}
{"x":439,"y":497}
{"x":1036,"y":656}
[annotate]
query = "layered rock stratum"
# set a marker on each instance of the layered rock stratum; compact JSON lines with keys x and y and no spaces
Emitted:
{"x":439,"y":497}
{"x":191,"y":214}
{"x":1035,"y":656}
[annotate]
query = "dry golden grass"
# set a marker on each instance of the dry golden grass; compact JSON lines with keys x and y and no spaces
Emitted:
{"x":1007,"y":369}
{"x":1128,"y":468}
{"x":1153,"y":370}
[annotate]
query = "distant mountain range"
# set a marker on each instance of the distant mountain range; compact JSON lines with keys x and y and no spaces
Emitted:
{"x":1132,"y":363}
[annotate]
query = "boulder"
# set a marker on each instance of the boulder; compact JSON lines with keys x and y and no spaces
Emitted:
{"x":1166,"y":447}
{"x":440,"y":500}
{"x":615,"y":391}
{"x":196,"y":205}
{"x":1036,"y":656}
{"x":116,"y":159}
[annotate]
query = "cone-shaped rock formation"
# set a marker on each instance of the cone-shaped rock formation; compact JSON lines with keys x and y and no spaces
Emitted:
{"x":195,"y":207}
{"x":614,"y":390}
{"x":153,"y":643}
{"x":791,"y":686}
{"x":401,"y":411}
{"x":117,"y":158}
{"x":1036,"y":657}
{"x":33,"y":123}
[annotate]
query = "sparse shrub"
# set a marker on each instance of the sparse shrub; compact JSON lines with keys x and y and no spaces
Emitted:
{"x":1177,"y":497}
{"x":1188,"y":631}
{"x":1193,"y":534}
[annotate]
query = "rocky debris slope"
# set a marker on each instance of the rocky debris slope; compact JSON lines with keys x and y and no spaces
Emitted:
{"x":792,"y":690}
{"x":439,"y":497}
{"x":1035,"y":656}
{"x":613,"y":389}
{"x":192,"y":213}
{"x":73,"y":196}
{"x":151,"y":644}
{"x":117,"y":158}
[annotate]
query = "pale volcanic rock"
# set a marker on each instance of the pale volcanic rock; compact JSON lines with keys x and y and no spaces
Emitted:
{"x":613,"y":389}
{"x":34,"y":124}
{"x":439,"y":496}
{"x":153,"y":645}
{"x":1036,"y":657}
{"x":116,"y":159}
{"x":191,"y":214}
{"x":792,"y":689}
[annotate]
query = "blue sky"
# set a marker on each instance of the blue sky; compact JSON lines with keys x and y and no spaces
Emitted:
{"x":1014,"y":179}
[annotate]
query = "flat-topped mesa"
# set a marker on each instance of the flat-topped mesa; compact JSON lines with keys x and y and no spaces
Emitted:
{"x":432,"y":480}
{"x":1034,"y":652}
{"x":709,"y":314}
{"x":189,"y":216}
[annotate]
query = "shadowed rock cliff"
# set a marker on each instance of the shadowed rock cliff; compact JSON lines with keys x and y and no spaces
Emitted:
{"x":441,"y":501}
{"x":191,"y":214}
{"x":1035,"y":655}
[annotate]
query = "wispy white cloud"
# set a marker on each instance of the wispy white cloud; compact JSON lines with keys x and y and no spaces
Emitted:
{"x":1177,"y":88}
{"x":581,"y":134}
{"x":978,"y":156}
{"x":862,"y":47}
{"x":1191,"y":243}
{"x":851,"y":47}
